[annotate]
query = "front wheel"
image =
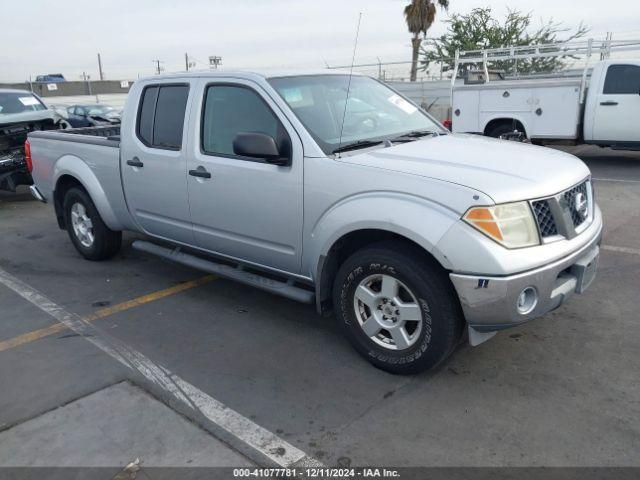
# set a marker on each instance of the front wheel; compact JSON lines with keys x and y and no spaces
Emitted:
{"x":88,"y":233}
{"x":397,"y":308}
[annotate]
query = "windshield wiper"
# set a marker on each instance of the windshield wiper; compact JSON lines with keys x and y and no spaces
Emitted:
{"x":406,"y":137}
{"x":356,"y":145}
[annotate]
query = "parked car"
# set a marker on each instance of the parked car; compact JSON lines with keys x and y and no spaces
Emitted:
{"x":408,"y":233}
{"x":50,"y":78}
{"x":600,"y":107}
{"x":20,"y":113}
{"x":92,"y":115}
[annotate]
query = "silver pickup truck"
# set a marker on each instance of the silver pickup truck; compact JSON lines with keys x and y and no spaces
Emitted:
{"x":337,"y":190}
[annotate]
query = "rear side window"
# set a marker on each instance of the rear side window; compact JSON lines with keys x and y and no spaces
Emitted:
{"x":161,"y":116}
{"x":622,"y":80}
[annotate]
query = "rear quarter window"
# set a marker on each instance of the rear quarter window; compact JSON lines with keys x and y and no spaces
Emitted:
{"x":161,"y":116}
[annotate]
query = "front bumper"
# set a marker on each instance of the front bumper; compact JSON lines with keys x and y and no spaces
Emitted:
{"x":489,"y":303}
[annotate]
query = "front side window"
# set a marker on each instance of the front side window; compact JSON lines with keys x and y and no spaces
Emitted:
{"x":622,"y":80}
{"x":161,"y":116}
{"x":229,"y":110}
{"x":373,"y":111}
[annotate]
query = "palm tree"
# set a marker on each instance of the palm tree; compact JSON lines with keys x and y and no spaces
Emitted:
{"x":420,"y":15}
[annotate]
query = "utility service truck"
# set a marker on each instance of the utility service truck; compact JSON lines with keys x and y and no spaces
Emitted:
{"x":600,"y":105}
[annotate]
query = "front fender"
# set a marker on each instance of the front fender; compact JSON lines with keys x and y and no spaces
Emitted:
{"x":78,"y":169}
{"x":417,"y":219}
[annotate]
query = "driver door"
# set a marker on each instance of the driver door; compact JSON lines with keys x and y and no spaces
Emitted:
{"x":247,"y":208}
{"x":617,"y":109}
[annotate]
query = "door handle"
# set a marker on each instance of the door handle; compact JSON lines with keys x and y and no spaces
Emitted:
{"x":200,"y":172}
{"x":135,"y":162}
{"x":608,"y":104}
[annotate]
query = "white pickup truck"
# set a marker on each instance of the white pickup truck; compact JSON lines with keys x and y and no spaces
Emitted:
{"x":331,"y":189}
{"x":602,"y":108}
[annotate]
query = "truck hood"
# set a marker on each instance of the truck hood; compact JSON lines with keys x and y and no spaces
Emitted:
{"x":505,"y":171}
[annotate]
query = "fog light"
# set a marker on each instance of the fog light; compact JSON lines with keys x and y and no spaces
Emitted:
{"x":527,"y":300}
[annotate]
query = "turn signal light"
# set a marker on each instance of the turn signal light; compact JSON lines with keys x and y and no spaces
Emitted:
{"x":510,"y":224}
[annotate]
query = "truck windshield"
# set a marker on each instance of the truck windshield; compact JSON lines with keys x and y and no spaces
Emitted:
{"x":373,"y":112}
{"x":19,"y":102}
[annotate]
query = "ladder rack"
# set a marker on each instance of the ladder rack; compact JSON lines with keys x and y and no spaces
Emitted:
{"x":587,"y":48}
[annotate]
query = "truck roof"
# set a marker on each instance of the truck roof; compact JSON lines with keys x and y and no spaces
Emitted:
{"x":248,"y":74}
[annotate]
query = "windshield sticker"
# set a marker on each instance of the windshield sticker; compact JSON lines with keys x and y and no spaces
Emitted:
{"x":28,"y":101}
{"x":292,"y":95}
{"x":402,"y":104}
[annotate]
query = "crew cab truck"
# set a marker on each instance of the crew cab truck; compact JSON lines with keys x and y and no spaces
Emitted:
{"x":333,"y":190}
{"x":600,"y":107}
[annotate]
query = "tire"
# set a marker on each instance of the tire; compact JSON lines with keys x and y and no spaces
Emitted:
{"x":424,"y":292}
{"x":88,"y":233}
{"x":503,"y":128}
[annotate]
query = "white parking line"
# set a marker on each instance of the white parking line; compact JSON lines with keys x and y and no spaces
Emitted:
{"x":633,"y":251}
{"x":621,"y":180}
{"x":242,"y":433}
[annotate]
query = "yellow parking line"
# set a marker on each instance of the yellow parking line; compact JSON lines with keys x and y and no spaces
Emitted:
{"x":31,"y":336}
{"x":104,"y":312}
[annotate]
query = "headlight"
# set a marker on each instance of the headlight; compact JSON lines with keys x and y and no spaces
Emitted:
{"x":510,"y":224}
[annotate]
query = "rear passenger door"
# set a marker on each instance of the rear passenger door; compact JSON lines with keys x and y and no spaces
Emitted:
{"x":154,"y":162}
{"x":247,"y":209}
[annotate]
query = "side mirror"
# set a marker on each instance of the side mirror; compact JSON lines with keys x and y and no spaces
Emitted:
{"x":258,"y":145}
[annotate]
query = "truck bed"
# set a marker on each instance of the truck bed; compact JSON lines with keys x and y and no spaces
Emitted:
{"x":91,"y":156}
{"x":546,"y":108}
{"x":107,"y":135}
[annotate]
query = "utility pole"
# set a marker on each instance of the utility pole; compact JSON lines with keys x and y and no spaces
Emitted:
{"x":87,"y":80}
{"x":100,"y":67}
{"x":186,"y":61}
{"x":158,"y":68}
{"x":215,"y":62}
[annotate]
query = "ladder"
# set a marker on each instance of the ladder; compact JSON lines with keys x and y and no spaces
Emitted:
{"x":586,"y":48}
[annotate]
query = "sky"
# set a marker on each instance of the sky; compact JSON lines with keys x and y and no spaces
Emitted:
{"x":64,"y":36}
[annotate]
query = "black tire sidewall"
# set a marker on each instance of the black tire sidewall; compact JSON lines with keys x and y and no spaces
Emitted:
{"x":496,"y":132}
{"x":440,"y":316}
{"x":100,"y":231}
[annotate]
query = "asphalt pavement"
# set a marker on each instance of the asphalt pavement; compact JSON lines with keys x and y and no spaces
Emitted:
{"x":562,"y":390}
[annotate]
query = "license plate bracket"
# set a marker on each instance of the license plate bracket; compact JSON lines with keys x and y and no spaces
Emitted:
{"x":585,"y":270}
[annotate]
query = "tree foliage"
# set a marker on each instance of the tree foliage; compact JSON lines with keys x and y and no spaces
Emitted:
{"x":480,"y":30}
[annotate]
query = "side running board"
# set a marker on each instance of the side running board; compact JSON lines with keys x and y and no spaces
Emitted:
{"x":286,"y":289}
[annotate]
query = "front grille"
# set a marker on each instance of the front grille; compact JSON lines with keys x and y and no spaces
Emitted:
{"x":570,"y":199}
{"x":562,"y":214}
{"x":546,"y":222}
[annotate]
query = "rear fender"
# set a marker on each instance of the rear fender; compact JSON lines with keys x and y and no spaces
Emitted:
{"x":79,"y":170}
{"x":507,"y":116}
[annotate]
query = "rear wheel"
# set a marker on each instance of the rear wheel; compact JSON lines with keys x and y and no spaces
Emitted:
{"x":88,"y":233}
{"x":505,"y":128}
{"x":397,"y":308}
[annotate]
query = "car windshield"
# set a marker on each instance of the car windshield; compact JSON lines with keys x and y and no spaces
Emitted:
{"x":19,"y":102}
{"x":99,"y":110}
{"x":373,"y":111}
